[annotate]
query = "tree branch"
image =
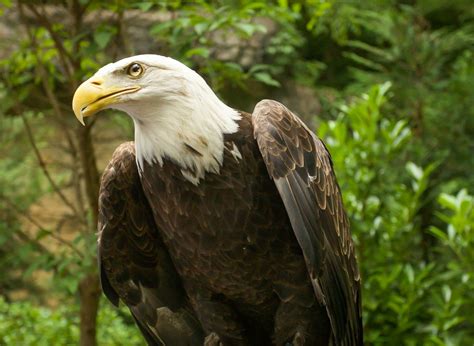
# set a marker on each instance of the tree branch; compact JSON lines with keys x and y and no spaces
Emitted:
{"x":44,"y":167}
{"x":64,"y":55}
{"x":38,"y":225}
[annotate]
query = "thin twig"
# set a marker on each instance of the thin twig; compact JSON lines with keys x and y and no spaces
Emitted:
{"x":56,"y":105}
{"x":58,"y":112}
{"x":38,"y":225}
{"x":44,"y":75}
{"x":54,"y":102}
{"x":20,"y":233}
{"x":44,"y":167}
{"x":43,"y":19}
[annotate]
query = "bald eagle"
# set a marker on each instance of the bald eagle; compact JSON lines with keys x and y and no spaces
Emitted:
{"x":216,"y":225}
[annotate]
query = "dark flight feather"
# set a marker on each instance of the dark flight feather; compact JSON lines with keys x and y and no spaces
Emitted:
{"x":134,"y":263}
{"x":301,"y":167}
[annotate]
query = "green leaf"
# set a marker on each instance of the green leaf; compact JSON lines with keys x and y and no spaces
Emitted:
{"x":160,"y":28}
{"x":447,"y":293}
{"x":438,"y":233}
{"x":265,"y":78}
{"x":201,"y":28}
{"x":200,"y":51}
{"x":102,"y":38}
{"x":364,"y":61}
{"x":145,"y":6}
{"x":414,"y":170}
{"x":259,"y":67}
{"x":247,"y":28}
{"x":448,"y":201}
{"x":453,"y":322}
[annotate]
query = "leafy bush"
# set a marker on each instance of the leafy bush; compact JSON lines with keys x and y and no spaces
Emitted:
{"x":22,"y":323}
{"x":453,"y":300}
{"x":411,"y":295}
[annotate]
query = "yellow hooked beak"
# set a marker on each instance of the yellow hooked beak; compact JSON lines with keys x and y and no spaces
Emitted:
{"x":93,"y":95}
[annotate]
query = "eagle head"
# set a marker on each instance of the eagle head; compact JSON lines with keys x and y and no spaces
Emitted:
{"x":176,"y":115}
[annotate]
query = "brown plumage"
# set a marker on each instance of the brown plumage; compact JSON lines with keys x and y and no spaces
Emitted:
{"x":134,"y":263}
{"x":259,"y":253}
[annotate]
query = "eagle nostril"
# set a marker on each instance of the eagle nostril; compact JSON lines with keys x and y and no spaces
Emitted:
{"x":97,"y":81}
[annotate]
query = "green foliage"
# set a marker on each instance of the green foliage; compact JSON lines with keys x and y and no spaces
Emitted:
{"x":454,"y":300}
{"x":406,"y":297}
{"x":22,"y":323}
{"x":200,"y":34}
{"x":431,"y":70}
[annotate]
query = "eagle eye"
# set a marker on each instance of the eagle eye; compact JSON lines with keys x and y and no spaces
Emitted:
{"x":135,"y":70}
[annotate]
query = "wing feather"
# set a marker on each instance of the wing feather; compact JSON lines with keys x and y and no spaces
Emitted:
{"x":134,"y":264}
{"x":302,"y":170}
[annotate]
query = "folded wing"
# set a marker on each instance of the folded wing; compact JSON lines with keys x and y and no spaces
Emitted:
{"x":301,"y":168}
{"x":134,"y":264}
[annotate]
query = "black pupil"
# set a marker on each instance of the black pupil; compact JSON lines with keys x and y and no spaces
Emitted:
{"x":135,"y":68}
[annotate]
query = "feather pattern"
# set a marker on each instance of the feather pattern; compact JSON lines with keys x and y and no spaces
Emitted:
{"x":301,"y":168}
{"x":135,"y":266}
{"x":270,"y":251}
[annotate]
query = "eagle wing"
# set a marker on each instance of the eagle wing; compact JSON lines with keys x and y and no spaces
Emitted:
{"x":302,"y":170}
{"x":134,"y":263}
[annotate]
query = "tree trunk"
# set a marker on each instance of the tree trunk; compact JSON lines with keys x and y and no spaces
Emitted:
{"x":89,"y":292}
{"x":89,"y":169}
{"x":89,"y":288}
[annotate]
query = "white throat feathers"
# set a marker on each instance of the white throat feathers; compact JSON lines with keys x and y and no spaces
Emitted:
{"x":178,"y":117}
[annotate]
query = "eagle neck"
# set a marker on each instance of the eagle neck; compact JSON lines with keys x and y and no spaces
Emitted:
{"x":186,"y":130}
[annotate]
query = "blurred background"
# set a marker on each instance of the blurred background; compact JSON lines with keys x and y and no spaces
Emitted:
{"x":388,"y":85}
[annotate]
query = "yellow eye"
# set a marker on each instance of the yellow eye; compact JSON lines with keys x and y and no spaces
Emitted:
{"x":134,"y":70}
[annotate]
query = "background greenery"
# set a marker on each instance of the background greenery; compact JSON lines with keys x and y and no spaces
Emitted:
{"x":388,"y":85}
